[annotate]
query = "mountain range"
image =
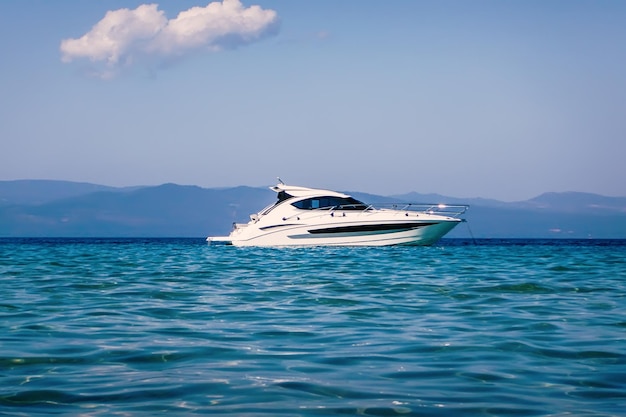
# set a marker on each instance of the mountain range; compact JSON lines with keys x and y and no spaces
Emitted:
{"x":45,"y":208}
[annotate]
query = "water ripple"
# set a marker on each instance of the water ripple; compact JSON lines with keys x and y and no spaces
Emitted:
{"x":128,"y":327}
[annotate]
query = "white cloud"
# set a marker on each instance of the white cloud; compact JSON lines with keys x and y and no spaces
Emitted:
{"x":126,"y":36}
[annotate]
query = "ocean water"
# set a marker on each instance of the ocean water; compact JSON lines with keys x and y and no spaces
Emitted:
{"x":148,"y":327}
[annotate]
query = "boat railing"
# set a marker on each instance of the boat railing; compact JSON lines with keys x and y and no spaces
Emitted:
{"x":449,"y":210}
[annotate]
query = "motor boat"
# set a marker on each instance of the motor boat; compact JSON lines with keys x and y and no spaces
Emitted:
{"x":313,"y":217}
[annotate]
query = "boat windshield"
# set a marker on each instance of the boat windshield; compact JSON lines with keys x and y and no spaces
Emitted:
{"x":339,"y":203}
{"x":282,"y":196}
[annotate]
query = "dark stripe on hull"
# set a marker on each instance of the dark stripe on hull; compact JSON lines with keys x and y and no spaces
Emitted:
{"x":389,"y":227}
{"x":277,"y":225}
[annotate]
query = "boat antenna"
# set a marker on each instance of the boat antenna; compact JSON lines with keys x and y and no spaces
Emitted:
{"x":280,"y":181}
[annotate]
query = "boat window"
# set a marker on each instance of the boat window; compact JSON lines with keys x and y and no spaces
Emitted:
{"x":282,"y":196}
{"x":339,"y":203}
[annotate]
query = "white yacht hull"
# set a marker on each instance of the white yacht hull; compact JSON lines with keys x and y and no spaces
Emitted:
{"x":300,"y":235}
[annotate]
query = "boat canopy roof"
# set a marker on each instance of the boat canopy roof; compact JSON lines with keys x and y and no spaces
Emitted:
{"x":296,"y":191}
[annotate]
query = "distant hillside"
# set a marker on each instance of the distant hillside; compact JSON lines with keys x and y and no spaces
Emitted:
{"x":559,"y":202}
{"x":577,"y":202}
{"x":68,"y":209}
{"x":167,"y":210}
{"x":44,"y":191}
{"x":550,"y":215}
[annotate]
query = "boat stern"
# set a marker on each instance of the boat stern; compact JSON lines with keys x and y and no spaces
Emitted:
{"x":219,"y":240}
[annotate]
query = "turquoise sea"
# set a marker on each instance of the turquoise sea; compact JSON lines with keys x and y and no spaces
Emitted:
{"x":106,"y":327}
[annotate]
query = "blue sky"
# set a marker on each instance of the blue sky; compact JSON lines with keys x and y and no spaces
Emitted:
{"x":495,"y":99}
